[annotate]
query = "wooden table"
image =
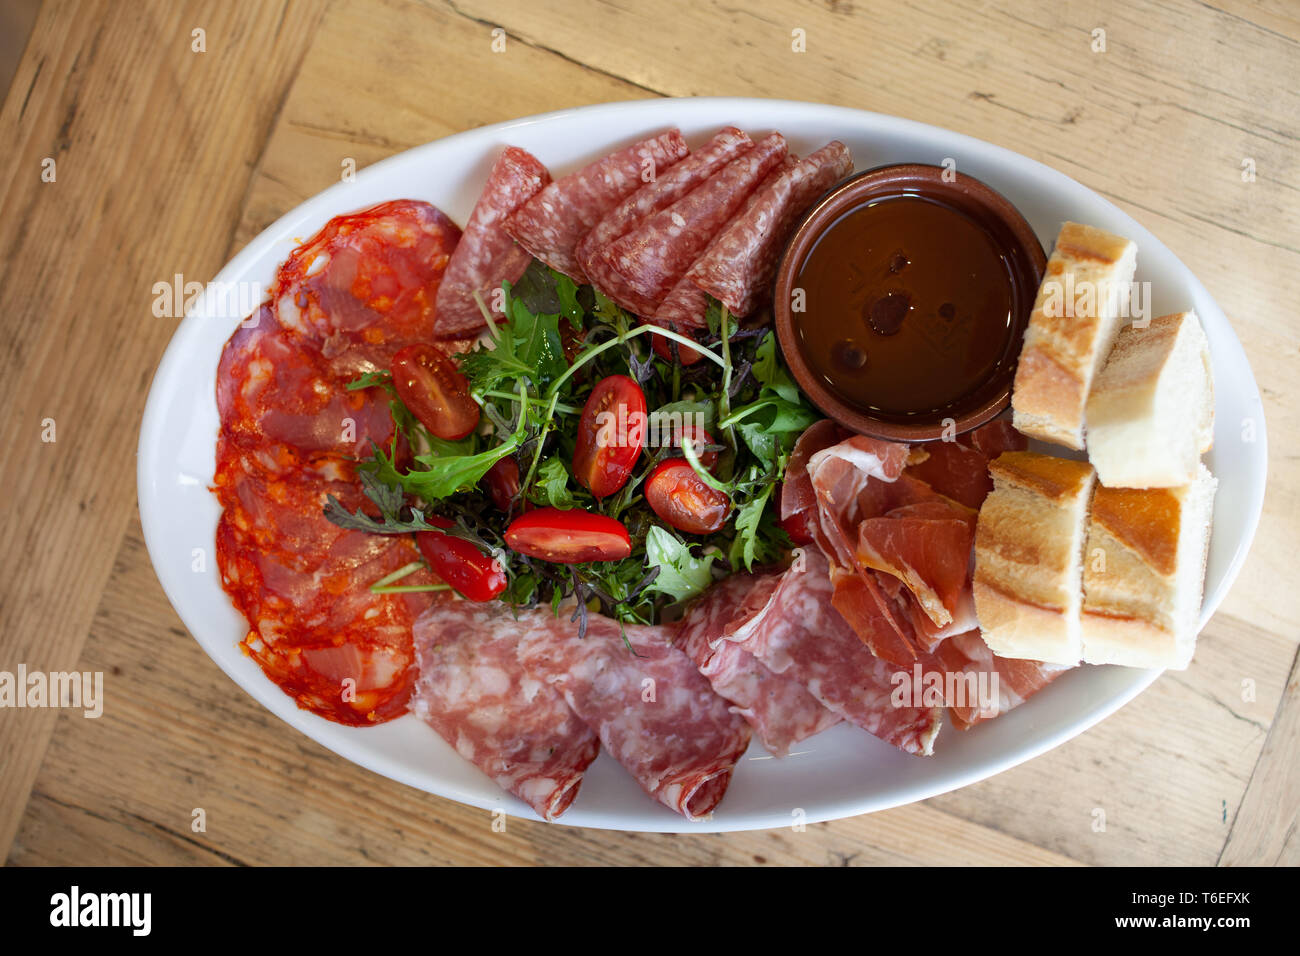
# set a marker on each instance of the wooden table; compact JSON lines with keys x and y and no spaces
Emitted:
{"x":167,"y":160}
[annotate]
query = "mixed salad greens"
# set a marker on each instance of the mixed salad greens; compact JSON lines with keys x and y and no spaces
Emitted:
{"x":572,"y":459}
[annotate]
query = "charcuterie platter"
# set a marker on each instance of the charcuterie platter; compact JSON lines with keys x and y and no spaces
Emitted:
{"x":567,"y":466}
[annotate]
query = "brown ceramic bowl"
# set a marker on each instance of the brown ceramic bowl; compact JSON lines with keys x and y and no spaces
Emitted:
{"x":1001,"y":221}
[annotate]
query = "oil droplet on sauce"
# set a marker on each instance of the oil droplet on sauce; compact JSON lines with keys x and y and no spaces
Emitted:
{"x":920,"y":287}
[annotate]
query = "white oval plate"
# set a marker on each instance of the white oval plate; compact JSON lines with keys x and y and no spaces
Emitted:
{"x":839,"y":773}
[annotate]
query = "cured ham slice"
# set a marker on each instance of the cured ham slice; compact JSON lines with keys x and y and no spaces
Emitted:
{"x":367,"y":280}
{"x":741,"y":262}
{"x":800,"y":634}
{"x":654,"y":711}
{"x":777,"y":706}
{"x":552,"y":223}
{"x":680,"y":179}
{"x":960,"y":469}
{"x":474,"y":692}
{"x":273,"y":388}
{"x":1017,"y":680}
{"x":654,"y":256}
{"x":487,"y":255}
{"x":797,"y":495}
{"x":842,"y":478}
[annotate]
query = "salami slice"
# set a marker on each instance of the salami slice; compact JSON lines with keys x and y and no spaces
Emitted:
{"x":487,"y":255}
{"x":654,"y":256}
{"x":367,"y":279}
{"x":474,"y":692}
{"x":800,"y":634}
{"x":680,"y":179}
{"x":741,"y":262}
{"x":778,"y":707}
{"x":653,"y":710}
{"x":300,"y":581}
{"x":273,"y":388}
{"x":550,"y":225}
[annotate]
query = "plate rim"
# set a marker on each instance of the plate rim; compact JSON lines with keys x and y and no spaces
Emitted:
{"x":353,"y":749}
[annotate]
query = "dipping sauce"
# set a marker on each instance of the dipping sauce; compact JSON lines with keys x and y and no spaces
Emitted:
{"x":912,"y":306}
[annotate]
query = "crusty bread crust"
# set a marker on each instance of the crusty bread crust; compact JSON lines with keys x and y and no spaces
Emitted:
{"x":1027,"y":581}
{"x":1144,"y":573}
{"x":1065,"y":347}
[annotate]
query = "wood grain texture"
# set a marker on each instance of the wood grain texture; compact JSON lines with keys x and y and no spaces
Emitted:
{"x":169,"y":161}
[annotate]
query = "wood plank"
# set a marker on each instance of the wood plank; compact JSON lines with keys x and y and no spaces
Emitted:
{"x":113,"y":94}
{"x":1264,"y":829}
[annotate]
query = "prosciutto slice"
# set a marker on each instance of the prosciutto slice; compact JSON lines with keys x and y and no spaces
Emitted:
{"x":1017,"y":680}
{"x":777,"y":706}
{"x":653,"y":710}
{"x":667,"y":189}
{"x":653,"y":257}
{"x":798,"y":633}
{"x":552,"y":223}
{"x":487,"y":255}
{"x":474,"y":692}
{"x":960,"y":469}
{"x":741,"y":262}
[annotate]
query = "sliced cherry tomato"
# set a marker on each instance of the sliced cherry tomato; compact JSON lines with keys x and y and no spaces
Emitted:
{"x":680,"y":497}
{"x":610,"y":435}
{"x":800,"y":526}
{"x":663,"y":347}
{"x":503,"y":482}
{"x":459,"y":563}
{"x":435,"y":392}
{"x":699,"y":438}
{"x":568,"y":536}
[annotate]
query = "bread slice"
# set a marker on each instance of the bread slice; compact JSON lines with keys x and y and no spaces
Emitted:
{"x":1151,"y":411}
{"x":1144,"y":573}
{"x":1028,"y":547}
{"x":1071,"y":330}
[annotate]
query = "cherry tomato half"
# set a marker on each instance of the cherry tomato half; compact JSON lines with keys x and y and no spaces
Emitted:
{"x":568,"y":536}
{"x":610,"y":435}
{"x":800,"y":526}
{"x":503,"y":482}
{"x":699,"y":438}
{"x":459,"y":563}
{"x":663,"y":347}
{"x":435,"y":392}
{"x":680,"y":497}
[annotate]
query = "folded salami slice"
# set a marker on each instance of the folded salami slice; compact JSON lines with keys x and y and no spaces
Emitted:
{"x":680,"y":179}
{"x":487,"y":255}
{"x":798,"y":633}
{"x":654,"y":256}
{"x":741,"y":263}
{"x":550,"y":225}
{"x":474,"y":692}
{"x":779,"y":708}
{"x":655,"y":713}
{"x":367,"y":279}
